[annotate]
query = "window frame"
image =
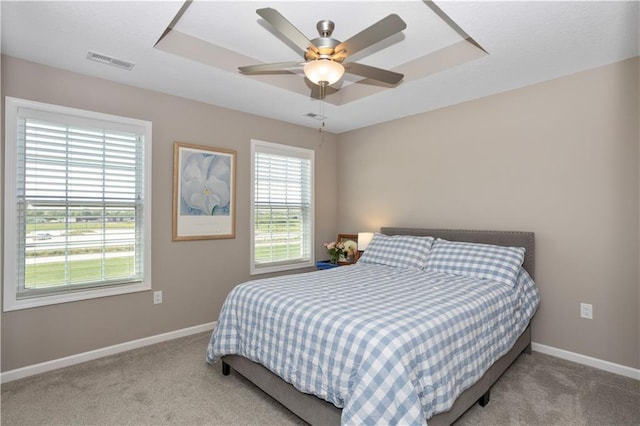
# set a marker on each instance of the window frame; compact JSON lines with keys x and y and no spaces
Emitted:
{"x":11,"y":302}
{"x":284,"y":150}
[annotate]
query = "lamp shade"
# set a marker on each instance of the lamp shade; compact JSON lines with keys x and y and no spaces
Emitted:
{"x":364,"y":238}
{"x":323,"y":70}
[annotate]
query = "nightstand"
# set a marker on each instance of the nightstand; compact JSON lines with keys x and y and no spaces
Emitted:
{"x":325,"y":264}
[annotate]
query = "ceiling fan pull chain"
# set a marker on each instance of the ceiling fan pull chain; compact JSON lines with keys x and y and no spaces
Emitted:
{"x":321,"y":110}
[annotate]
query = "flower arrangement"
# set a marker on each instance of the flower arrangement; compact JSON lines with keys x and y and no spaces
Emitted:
{"x":335,"y":250}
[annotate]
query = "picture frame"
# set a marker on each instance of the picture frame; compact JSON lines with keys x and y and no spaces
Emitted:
{"x":204,"y":192}
{"x":351,"y":248}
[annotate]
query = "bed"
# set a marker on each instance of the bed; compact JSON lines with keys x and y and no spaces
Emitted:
{"x":333,"y":385}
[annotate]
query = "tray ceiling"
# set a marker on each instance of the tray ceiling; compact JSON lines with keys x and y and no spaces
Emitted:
{"x":450,"y":52}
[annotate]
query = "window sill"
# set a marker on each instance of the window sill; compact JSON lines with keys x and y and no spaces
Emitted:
{"x":280,"y":268}
{"x":11,"y":304}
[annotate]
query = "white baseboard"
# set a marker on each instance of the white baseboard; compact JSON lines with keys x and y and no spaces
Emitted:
{"x":31,"y":370}
{"x":600,"y":364}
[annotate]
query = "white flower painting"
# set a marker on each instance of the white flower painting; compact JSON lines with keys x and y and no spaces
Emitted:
{"x":205,"y":180}
{"x":203,"y":185}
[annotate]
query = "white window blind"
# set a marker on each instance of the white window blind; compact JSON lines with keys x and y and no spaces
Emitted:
{"x":282,"y":208}
{"x":80,"y":212}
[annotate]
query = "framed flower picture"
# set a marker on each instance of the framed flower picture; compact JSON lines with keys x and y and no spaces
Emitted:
{"x":350,"y":252}
{"x":204,"y":196}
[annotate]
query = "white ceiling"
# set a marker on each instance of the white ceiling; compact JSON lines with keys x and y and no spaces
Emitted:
{"x":525,"y":43}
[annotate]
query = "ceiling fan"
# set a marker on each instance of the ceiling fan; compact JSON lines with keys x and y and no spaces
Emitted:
{"x":324,"y":56}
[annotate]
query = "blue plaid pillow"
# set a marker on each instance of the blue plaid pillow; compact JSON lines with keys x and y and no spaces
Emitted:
{"x":401,"y":251}
{"x":485,"y":261}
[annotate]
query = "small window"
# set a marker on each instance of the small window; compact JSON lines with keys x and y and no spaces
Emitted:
{"x":77,"y":205}
{"x":281,"y":207}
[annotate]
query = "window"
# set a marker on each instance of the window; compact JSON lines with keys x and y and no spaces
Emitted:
{"x":77,"y":205}
{"x":281,"y":207}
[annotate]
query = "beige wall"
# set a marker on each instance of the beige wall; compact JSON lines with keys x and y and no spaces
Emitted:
{"x":195,"y":277}
{"x":558,"y":158}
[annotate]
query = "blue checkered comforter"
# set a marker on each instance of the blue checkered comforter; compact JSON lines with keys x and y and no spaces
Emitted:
{"x":388,"y":345}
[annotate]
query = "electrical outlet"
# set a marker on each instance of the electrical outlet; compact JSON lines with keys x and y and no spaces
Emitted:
{"x":586,"y":310}
{"x":157,"y":297}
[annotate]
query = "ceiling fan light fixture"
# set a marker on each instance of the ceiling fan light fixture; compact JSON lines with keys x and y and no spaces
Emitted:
{"x":323,"y":70}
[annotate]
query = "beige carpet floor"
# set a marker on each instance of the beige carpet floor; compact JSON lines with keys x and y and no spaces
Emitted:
{"x":170,"y":383}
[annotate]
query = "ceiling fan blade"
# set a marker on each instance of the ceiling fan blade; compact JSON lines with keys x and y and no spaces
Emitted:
{"x":286,"y":28}
{"x":374,"y":73}
{"x":278,"y":66}
{"x":382,"y":29}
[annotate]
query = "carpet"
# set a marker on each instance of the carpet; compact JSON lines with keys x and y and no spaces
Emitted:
{"x":169,"y":383}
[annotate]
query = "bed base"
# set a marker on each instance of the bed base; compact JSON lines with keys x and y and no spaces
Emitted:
{"x":317,"y":411}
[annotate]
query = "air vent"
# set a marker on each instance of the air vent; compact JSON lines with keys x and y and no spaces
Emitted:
{"x":315,"y":116}
{"x":104,"y":59}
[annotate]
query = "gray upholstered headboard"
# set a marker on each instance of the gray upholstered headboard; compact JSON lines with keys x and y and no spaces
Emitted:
{"x":499,"y":238}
